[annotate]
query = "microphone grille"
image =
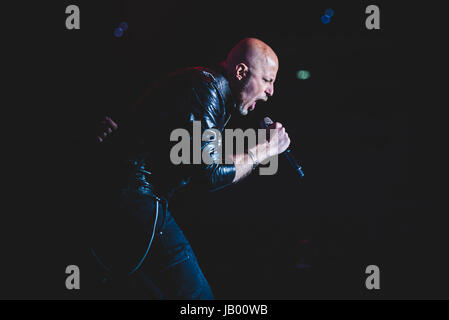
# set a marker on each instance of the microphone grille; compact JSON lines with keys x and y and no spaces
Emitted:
{"x":266,"y":122}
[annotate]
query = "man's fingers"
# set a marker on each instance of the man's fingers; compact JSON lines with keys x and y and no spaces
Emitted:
{"x":110,"y":122}
{"x":105,"y":128}
{"x":275,"y":125}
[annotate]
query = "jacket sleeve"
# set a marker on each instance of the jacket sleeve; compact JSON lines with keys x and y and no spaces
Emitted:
{"x":207,"y":106}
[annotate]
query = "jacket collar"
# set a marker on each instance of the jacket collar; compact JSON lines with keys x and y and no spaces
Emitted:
{"x":224,"y":86}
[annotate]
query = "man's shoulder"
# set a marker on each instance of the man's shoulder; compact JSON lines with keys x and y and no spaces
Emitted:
{"x":198,"y":76}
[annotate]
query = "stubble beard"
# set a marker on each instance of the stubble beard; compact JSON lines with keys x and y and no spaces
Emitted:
{"x":245,"y":85}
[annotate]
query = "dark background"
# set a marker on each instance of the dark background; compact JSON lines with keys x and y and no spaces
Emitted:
{"x":349,"y":124}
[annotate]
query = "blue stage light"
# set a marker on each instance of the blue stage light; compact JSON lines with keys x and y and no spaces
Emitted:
{"x":329,"y":13}
{"x":325,"y":19}
{"x":124,"y":26}
{"x":118,"y":33}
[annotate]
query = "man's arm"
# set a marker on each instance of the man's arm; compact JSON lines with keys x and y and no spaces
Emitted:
{"x":276,"y":144}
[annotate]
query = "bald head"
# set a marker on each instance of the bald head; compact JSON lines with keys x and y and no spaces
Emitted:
{"x":251,"y":67}
{"x":252,"y":52}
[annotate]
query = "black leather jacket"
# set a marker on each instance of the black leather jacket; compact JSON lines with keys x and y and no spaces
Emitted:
{"x":143,"y":141}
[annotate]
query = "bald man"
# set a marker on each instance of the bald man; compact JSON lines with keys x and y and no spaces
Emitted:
{"x":136,"y":243}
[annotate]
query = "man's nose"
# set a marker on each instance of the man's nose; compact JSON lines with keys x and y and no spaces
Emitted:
{"x":270,"y":90}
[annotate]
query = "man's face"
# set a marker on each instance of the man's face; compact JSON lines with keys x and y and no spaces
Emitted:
{"x":258,"y":85}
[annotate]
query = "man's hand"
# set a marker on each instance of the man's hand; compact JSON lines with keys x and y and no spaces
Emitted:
{"x":277,"y":140}
{"x":106,"y":127}
{"x":276,"y":143}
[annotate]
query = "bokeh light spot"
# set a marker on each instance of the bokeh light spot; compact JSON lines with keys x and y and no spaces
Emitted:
{"x":303,"y":75}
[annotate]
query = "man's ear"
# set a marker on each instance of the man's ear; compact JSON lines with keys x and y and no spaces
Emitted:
{"x":241,"y":71}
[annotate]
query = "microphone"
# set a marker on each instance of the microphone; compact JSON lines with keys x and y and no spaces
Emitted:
{"x":265,"y":123}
